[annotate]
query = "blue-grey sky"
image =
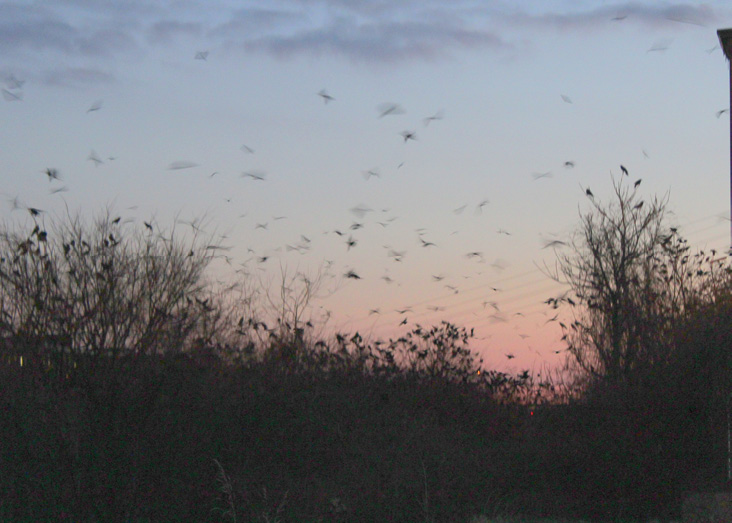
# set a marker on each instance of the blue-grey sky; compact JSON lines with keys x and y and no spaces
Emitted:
{"x":138,"y":103}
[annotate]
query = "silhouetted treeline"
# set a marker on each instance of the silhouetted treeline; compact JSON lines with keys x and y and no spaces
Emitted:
{"x":133,"y":391}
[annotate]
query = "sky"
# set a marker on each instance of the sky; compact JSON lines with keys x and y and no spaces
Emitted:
{"x":450,"y":141}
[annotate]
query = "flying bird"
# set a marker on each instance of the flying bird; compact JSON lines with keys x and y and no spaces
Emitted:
{"x":52,"y":174}
{"x":11,"y":96}
{"x":409,"y":135}
{"x":387,"y":109}
{"x":352,"y":275}
{"x":436,"y":116}
{"x":93,"y":157}
{"x":536,"y":176}
{"x":246,"y":149}
{"x":325,"y":96}
{"x":361,"y":210}
{"x":569,"y":164}
{"x":254,"y":175}
{"x":13,"y":83}
{"x":722,"y":111}
{"x":201,"y":55}
{"x":659,"y":45}
{"x":553,"y":243}
{"x":566,"y":98}
{"x":182,"y":164}
{"x":426,"y":243}
{"x":95,"y":106}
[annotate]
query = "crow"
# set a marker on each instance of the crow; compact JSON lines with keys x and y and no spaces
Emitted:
{"x":254,"y":175}
{"x":52,"y":174}
{"x":325,"y":96}
{"x":95,"y":106}
{"x":409,"y":135}
{"x":389,"y":109}
{"x":436,"y":116}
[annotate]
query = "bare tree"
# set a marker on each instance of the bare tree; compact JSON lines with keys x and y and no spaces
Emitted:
{"x":612,"y":267}
{"x":103,"y":290}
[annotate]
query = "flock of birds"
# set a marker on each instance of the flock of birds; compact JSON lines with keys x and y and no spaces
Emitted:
{"x":485,"y":302}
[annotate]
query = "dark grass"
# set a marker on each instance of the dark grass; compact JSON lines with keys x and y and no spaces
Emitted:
{"x":328,"y":438}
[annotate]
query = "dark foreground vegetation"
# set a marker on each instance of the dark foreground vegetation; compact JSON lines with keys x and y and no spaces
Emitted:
{"x":134,"y":391}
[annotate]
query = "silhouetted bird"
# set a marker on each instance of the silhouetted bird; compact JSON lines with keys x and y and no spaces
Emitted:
{"x":569,"y":164}
{"x":721,"y":112}
{"x":566,"y":98}
{"x":510,"y":356}
{"x":637,"y":183}
{"x":201,"y":55}
{"x":93,"y":157}
{"x":260,"y":176}
{"x":52,"y":174}
{"x":387,"y":109}
{"x":536,"y":176}
{"x":95,"y":106}
{"x":409,"y":135}
{"x":325,"y":96}
{"x":149,"y":226}
{"x":427,"y":244}
{"x":182,"y":164}
{"x":638,"y":206}
{"x":351,"y":274}
{"x":588,"y":192}
{"x":34,"y":212}
{"x":11,"y":96}
{"x":624,"y":170}
{"x":436,"y":116}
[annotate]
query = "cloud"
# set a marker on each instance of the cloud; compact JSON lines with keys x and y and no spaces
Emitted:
{"x":26,"y":28}
{"x":76,"y":77}
{"x":167,"y":31}
{"x":655,"y":15}
{"x":376,"y":31}
{"x":359,"y":31}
